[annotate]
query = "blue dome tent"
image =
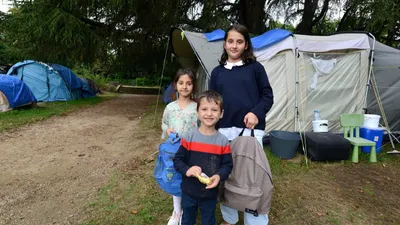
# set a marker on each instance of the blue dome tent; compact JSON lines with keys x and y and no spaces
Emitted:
{"x":72,"y":81}
{"x":14,"y":93}
{"x":45,"y":83}
{"x":51,"y":82}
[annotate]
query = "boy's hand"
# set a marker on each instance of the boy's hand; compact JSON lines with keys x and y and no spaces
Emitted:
{"x":214,"y":181}
{"x":169,"y":130}
{"x":193,"y":171}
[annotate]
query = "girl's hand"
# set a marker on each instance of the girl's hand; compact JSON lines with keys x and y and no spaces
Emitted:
{"x":169,"y":130}
{"x":250,"y":120}
{"x":214,"y":181}
{"x":193,"y":171}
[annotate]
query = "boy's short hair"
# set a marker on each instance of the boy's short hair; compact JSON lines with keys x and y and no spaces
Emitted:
{"x":210,"y":96}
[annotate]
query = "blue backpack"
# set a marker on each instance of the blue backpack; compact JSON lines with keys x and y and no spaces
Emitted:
{"x":167,"y":177}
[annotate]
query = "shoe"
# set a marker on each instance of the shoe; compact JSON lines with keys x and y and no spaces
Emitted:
{"x":175,"y":219}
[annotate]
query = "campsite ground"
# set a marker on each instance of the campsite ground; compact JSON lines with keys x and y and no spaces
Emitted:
{"x":50,"y":170}
{"x":94,"y":166}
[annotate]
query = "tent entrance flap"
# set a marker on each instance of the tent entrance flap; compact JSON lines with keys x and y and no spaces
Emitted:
{"x":340,"y":91}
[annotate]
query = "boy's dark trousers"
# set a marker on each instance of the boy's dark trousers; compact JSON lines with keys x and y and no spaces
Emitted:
{"x":207,"y":211}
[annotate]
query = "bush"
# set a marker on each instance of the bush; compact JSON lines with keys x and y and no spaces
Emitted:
{"x":111,"y":81}
{"x":85,"y":71}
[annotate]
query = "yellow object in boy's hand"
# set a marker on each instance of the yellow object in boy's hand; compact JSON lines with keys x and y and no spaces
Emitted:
{"x":203,"y":178}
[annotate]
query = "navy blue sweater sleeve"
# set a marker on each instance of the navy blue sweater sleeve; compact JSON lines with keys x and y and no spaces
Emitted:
{"x":212,"y":83}
{"x":265,"y":90}
{"x":226,"y":166}
{"x":179,"y":161}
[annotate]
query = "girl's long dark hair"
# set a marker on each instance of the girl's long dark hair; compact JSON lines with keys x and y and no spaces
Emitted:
{"x":248,"y":55}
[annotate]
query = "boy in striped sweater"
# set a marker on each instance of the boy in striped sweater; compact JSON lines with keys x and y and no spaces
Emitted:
{"x":203,"y":150}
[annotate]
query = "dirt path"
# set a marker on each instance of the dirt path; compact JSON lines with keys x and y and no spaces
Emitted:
{"x":49,"y":171}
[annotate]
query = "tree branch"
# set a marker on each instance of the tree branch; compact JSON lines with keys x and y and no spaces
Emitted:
{"x":187,"y":21}
{"x":322,"y":14}
{"x":226,"y":4}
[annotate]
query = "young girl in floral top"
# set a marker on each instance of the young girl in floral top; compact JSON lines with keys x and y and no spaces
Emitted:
{"x":180,"y":117}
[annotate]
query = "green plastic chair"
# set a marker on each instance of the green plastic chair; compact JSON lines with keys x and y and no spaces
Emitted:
{"x":351,"y":124}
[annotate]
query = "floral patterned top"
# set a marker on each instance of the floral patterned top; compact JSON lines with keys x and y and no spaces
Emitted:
{"x":181,"y":120}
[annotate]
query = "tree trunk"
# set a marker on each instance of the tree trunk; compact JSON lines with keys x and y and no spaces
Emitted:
{"x":349,"y":10}
{"x":252,"y":15}
{"x":307,"y":20}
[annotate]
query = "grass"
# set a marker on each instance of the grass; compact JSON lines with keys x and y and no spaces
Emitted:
{"x":26,"y":115}
{"x":132,"y":195}
{"x":320,"y":193}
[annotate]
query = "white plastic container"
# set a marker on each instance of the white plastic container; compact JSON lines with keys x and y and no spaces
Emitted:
{"x":320,"y":125}
{"x":371,"y":120}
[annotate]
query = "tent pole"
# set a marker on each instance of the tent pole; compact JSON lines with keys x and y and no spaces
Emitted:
{"x":296,"y":126}
{"x":161,"y":78}
{"x":369,"y":73}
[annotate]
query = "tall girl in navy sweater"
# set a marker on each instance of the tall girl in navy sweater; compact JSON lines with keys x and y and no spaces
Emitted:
{"x":247,"y":94}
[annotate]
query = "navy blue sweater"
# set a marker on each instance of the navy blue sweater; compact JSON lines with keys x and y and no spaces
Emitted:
{"x":244,"y":89}
{"x":211,"y":153}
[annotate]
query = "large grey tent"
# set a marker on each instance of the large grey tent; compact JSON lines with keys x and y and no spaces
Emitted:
{"x":386,"y":79}
{"x":330,"y":74}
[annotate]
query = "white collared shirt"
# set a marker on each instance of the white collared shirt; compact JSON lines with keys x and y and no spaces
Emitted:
{"x":232,"y":132}
{"x":229,"y":65}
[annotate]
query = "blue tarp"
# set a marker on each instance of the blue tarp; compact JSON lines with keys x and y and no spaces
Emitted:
{"x":215,"y":35}
{"x":16,"y":91}
{"x":45,"y":83}
{"x":265,"y":40}
{"x":167,"y":93}
{"x":269,"y":38}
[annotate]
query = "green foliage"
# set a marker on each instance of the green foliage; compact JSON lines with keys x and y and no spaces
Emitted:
{"x":110,"y":81}
{"x":126,"y":40}
{"x":275,"y":24}
{"x":8,"y":55}
{"x":380,"y":17}
{"x":100,"y":79}
{"x":49,"y":33}
{"x":325,"y":27}
{"x":152,"y":81}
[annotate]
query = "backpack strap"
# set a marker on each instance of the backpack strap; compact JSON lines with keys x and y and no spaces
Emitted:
{"x":252,"y":132}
